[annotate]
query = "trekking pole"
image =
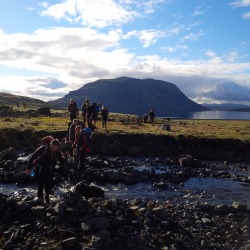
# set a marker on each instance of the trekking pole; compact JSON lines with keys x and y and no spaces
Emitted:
{"x":69,"y":183}
{"x":78,"y":167}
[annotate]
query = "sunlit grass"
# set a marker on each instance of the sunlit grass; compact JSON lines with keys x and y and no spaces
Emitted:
{"x":123,"y":124}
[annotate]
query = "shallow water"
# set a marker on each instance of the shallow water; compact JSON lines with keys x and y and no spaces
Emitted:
{"x":214,"y":191}
{"x":210,"y":190}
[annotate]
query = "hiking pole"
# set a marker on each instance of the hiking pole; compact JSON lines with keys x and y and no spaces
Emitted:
{"x":78,"y":166}
{"x":69,"y":183}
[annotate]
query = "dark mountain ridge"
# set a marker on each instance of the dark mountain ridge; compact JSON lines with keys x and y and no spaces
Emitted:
{"x":133,"y":96}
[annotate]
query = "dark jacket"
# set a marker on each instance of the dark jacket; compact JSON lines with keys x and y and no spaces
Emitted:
{"x":45,"y":157}
{"x":72,"y":108}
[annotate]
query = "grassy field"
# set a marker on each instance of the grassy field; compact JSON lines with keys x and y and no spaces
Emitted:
{"x":120,"y":123}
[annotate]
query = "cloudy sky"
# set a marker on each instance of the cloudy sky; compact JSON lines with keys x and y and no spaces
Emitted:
{"x":202,"y":46}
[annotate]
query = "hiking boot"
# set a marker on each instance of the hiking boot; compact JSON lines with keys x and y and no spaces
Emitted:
{"x":47,"y":199}
{"x":39,"y":201}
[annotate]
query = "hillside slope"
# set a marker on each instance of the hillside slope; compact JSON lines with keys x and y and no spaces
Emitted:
{"x":7,"y":99}
{"x":133,"y":96}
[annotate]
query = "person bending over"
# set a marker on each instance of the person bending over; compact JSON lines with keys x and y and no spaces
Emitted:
{"x":44,"y":160}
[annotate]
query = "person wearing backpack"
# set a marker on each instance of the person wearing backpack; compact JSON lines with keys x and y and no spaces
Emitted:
{"x":84,"y":111}
{"x":44,"y":160}
{"x":95,"y":114}
{"x":104,"y":115}
{"x":82,"y":141}
{"x":151,"y":116}
{"x":92,"y":115}
{"x":73,"y":110}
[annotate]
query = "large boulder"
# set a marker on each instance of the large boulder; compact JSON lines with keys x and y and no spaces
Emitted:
{"x":44,"y":111}
{"x":9,"y":154}
{"x":88,"y":191}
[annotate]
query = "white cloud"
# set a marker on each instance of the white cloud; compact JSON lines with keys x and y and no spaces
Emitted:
{"x":229,"y":91}
{"x":232,"y":56}
{"x":96,"y":13}
{"x":66,"y":58}
{"x":210,"y":53}
{"x":246,"y":15}
{"x":71,"y":57}
{"x":193,"y":36}
{"x":240,"y":3}
{"x":147,"y":37}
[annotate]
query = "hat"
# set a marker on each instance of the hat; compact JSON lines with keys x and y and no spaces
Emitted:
{"x":55,"y":142}
{"x":47,"y":139}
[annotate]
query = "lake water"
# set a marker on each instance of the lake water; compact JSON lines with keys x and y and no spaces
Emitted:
{"x":216,"y":115}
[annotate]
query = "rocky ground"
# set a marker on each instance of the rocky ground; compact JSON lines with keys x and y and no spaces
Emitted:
{"x":85,"y":219}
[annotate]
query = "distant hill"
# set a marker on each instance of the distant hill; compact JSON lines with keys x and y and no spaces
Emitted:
{"x":7,"y":99}
{"x":228,"y":107}
{"x":133,"y":96}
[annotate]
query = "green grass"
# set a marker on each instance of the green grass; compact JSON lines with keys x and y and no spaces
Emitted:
{"x":123,"y":124}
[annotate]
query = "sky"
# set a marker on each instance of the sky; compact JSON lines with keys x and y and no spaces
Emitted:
{"x":49,"y":48}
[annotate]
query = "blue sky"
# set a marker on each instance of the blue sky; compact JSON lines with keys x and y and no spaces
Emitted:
{"x":50,"y":48}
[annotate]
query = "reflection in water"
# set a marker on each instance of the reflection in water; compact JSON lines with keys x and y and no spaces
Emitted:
{"x":216,"y":115}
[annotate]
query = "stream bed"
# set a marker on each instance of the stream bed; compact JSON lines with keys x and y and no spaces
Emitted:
{"x":211,"y":190}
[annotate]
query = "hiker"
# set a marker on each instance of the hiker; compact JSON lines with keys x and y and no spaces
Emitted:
{"x":72,"y":109}
{"x":91,"y":115}
{"x":145,"y":118}
{"x":95,"y":114}
{"x":151,"y":116}
{"x":72,"y":131}
{"x":138,"y":120}
{"x":44,"y":160}
{"x":81,"y":144}
{"x":104,"y":115}
{"x":84,"y":111}
{"x":47,"y":140}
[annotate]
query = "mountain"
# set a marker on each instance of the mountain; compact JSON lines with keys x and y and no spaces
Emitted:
{"x":7,"y":99}
{"x":228,"y":107}
{"x":133,"y":96}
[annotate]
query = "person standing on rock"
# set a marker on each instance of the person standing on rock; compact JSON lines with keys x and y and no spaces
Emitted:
{"x":82,"y":145}
{"x":44,"y":160}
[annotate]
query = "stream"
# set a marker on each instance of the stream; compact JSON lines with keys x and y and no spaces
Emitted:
{"x":211,"y":190}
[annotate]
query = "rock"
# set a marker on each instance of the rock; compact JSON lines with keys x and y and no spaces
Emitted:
{"x":239,"y":206}
{"x":44,"y":111}
{"x":69,"y":243}
{"x":88,"y":191}
{"x":60,"y":207}
{"x":165,"y":127}
{"x":98,"y":223}
{"x":9,"y":154}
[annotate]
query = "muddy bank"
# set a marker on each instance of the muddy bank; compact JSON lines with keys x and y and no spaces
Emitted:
{"x":139,"y":145}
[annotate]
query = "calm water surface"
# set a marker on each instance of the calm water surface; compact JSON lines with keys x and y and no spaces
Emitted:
{"x":216,"y":115}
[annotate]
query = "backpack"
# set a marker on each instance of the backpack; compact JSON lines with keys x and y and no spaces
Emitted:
{"x":87,"y":132}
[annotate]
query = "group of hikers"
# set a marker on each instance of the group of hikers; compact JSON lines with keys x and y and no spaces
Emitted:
{"x":90,"y":113}
{"x":45,"y":157}
{"x":145,"y":117}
